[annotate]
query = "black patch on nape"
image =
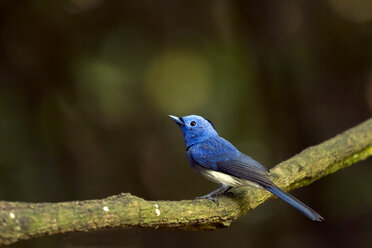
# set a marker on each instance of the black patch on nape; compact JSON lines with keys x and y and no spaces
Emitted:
{"x":210,"y":122}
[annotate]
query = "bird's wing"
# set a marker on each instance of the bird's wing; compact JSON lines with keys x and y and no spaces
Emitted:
{"x":220,"y":155}
{"x":211,"y":151}
{"x":246,"y":168}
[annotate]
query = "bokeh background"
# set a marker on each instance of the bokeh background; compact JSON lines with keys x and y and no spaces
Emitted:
{"x":86,"y":87}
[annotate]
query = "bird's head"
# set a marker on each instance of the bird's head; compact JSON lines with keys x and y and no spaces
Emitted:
{"x":195,"y":128}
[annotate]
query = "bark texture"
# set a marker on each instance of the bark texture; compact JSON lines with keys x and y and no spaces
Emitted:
{"x":19,"y":220}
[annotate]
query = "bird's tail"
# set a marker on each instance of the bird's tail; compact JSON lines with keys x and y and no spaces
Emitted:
{"x":295,"y":203}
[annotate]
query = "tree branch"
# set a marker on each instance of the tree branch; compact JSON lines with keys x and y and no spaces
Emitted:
{"x":20,"y":220}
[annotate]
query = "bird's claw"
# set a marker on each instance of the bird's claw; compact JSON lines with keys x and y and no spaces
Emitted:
{"x":209,"y":198}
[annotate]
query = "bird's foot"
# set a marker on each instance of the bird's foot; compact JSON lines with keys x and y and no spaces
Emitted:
{"x":209,"y":197}
{"x":222,"y":190}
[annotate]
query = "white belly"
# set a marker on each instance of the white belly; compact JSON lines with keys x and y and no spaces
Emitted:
{"x":228,"y":180}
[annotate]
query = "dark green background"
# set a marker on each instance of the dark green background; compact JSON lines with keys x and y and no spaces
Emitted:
{"x":86,"y":87}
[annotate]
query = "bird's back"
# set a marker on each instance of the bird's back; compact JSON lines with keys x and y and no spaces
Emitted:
{"x":216,"y":156}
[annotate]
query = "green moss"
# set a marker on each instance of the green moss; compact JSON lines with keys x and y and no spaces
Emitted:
{"x":127,"y":211}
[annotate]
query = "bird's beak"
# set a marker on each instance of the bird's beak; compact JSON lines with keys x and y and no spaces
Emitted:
{"x":176,"y":119}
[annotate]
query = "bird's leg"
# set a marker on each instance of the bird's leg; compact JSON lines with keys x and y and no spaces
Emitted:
{"x":224,"y":188}
{"x":227,"y":189}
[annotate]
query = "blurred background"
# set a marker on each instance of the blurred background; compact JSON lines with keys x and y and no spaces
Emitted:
{"x":86,"y":87}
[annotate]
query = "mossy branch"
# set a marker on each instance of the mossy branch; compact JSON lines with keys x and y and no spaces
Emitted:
{"x":20,"y":220}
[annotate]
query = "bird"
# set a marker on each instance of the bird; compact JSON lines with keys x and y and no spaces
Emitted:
{"x":220,"y":161}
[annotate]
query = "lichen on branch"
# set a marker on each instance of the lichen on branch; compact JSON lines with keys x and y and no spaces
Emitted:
{"x":19,"y":220}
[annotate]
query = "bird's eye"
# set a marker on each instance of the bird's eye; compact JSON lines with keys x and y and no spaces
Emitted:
{"x":193,"y":123}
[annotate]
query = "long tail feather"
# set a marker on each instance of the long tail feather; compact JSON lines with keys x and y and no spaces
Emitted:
{"x":295,"y":203}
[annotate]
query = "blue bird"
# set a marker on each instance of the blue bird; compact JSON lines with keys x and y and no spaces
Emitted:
{"x":219,"y":161}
